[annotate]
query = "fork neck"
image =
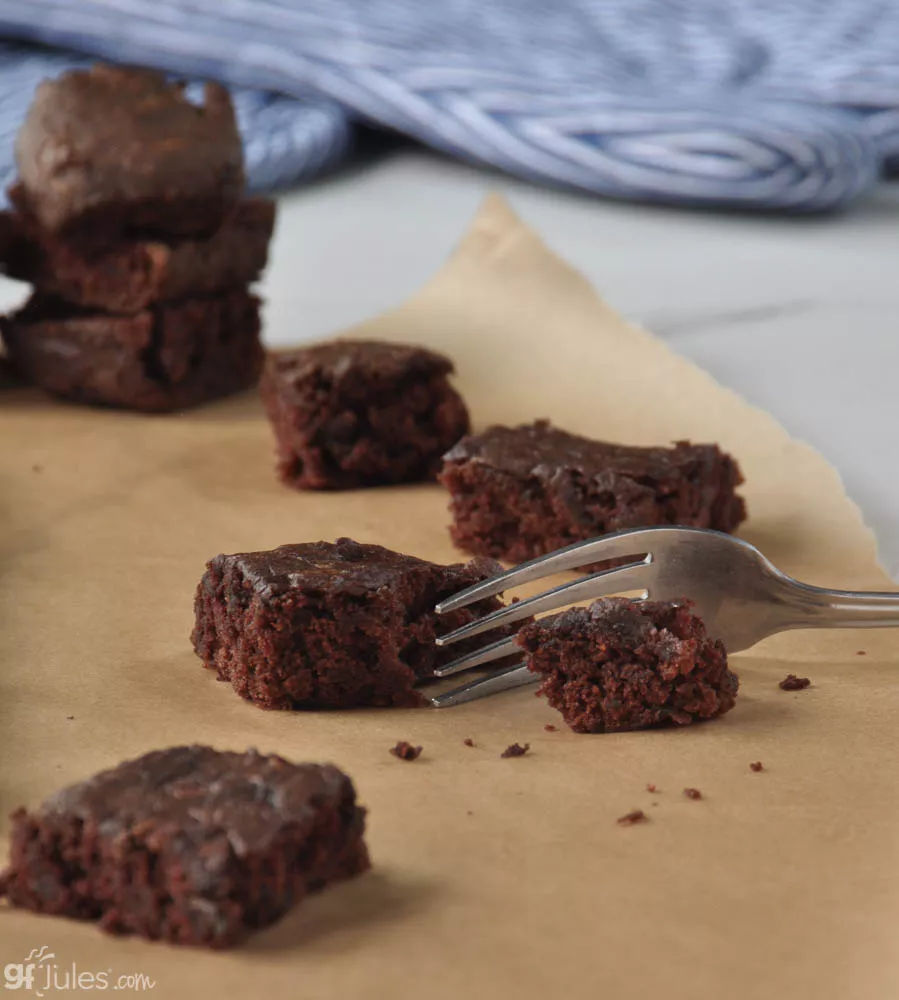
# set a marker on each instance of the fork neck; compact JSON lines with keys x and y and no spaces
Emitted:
{"x":818,"y":607}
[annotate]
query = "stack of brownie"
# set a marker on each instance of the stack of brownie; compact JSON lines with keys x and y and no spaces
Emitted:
{"x":128,"y":219}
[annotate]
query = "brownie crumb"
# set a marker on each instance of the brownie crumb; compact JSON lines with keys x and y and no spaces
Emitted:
{"x":756,"y":765}
{"x":793,"y":683}
{"x":405,"y":751}
{"x":693,"y":793}
{"x":633,"y":817}
{"x":550,"y":728}
{"x":651,"y":788}
{"x":468,"y":741}
{"x":516,"y":750}
{"x":70,"y":717}
{"x":862,"y":652}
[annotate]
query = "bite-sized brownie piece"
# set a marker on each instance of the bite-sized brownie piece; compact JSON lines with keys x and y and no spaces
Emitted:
{"x":189,"y":845}
{"x":361,"y":413}
{"x":168,"y":357}
{"x":128,"y":275}
{"x":622,"y":664}
{"x":111,"y":150}
{"x":322,"y":625}
{"x":521,"y":492}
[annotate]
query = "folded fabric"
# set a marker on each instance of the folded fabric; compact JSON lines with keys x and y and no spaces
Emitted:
{"x":769,"y":104}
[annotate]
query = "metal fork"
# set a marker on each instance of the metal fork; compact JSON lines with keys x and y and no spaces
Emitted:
{"x":739,"y":594}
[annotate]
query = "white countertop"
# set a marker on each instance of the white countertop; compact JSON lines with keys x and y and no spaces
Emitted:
{"x":800,"y":316}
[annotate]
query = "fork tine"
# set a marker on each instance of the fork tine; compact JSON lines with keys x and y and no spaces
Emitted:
{"x":503,"y":680}
{"x":495,"y":651}
{"x":633,"y":541}
{"x":608,"y":581}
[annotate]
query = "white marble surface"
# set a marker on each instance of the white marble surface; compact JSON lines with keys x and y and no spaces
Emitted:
{"x":798,"y":315}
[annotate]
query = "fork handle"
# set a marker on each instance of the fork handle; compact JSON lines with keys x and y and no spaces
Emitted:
{"x":818,"y":607}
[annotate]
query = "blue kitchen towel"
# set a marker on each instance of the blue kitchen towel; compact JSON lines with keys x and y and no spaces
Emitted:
{"x":769,"y":104}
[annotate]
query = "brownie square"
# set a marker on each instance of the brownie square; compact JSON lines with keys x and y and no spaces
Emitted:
{"x":521,"y":492}
{"x":361,"y":413}
{"x":129,"y":275}
{"x":168,"y":357}
{"x":622,"y":664}
{"x":188,"y":845}
{"x":322,"y":625}
{"x":112,"y":150}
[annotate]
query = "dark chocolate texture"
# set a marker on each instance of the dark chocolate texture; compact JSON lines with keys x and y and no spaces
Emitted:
{"x":521,"y":492}
{"x":168,"y":357}
{"x":329,"y":625}
{"x":188,"y":845}
{"x":112,"y":150}
{"x":621,"y":664}
{"x":128,"y":275}
{"x":361,"y":413}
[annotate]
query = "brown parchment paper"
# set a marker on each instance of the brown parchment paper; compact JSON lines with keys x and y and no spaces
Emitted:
{"x":492,"y":878}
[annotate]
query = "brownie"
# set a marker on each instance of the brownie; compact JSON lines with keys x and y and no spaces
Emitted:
{"x":188,"y":845}
{"x":168,"y":357}
{"x":322,"y":625}
{"x":521,"y":492}
{"x":129,"y":275}
{"x":111,"y":150}
{"x":9,"y":376}
{"x":361,"y":413}
{"x":9,"y":239}
{"x":622,"y":664}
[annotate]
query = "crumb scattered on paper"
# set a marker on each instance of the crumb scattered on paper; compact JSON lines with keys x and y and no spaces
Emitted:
{"x":405,"y":751}
{"x":793,"y":683}
{"x":516,"y":750}
{"x":693,"y":793}
{"x":632,"y":818}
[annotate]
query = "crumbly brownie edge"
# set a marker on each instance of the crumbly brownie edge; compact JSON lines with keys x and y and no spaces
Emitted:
{"x":242,"y":636}
{"x":67,"y":867}
{"x":602,"y":682}
{"x":168,"y":358}
{"x":503,"y":516}
{"x":128,"y":276}
{"x":328,"y":440}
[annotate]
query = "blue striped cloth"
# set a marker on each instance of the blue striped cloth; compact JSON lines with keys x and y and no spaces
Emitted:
{"x":768,"y":104}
